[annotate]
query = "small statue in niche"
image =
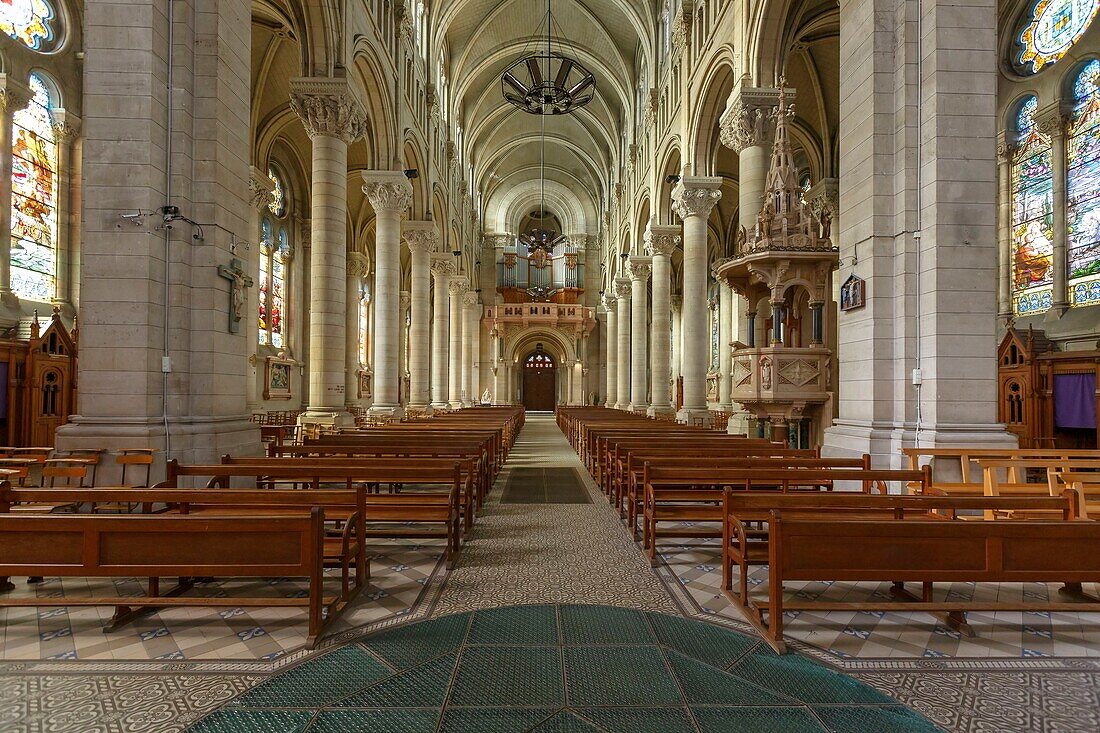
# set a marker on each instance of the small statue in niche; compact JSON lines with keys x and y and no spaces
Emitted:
{"x":766,"y":373}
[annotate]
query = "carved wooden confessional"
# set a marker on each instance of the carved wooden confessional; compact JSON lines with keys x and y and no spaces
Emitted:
{"x":38,"y":379}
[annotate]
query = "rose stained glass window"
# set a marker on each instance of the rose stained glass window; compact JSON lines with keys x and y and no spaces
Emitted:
{"x":265,"y":277}
{"x":34,"y":197}
{"x":1032,"y":215}
{"x":1083,"y":190}
{"x":1052,"y":27}
{"x":27,"y":21}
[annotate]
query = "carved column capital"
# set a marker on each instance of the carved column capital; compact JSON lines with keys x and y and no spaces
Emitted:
{"x":14,"y":95}
{"x":443,"y":266}
{"x":676,"y":302}
{"x":470,"y":299}
{"x":261,"y":191}
{"x":405,"y":300}
{"x":66,"y":126}
{"x":696,"y":196}
{"x":749,"y":117}
{"x":387,"y":191}
{"x":358,"y":265}
{"x":640,"y":268}
{"x":421,"y":236}
{"x":458,"y":287}
{"x":609,"y":301}
{"x":622,"y":288}
{"x":328,"y":107}
{"x":661,"y":241}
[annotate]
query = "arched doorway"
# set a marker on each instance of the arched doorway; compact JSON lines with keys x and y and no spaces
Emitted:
{"x":539,"y":381}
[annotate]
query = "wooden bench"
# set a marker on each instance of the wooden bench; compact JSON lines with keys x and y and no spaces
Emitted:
{"x":695,"y":495}
{"x":170,"y":545}
{"x":344,"y":550}
{"x":899,"y":551}
{"x":1087,"y":488}
{"x":1030,"y":477}
{"x":965,"y":462}
{"x":395,"y":511}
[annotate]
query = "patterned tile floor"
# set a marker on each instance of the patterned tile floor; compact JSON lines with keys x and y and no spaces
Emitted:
{"x":560,"y":668}
{"x":532,"y":553}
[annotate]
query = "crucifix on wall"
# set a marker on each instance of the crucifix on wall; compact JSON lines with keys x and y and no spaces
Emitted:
{"x":238,"y":281}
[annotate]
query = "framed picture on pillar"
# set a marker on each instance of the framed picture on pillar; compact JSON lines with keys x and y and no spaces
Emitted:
{"x":853,"y":293}
{"x":364,"y":383}
{"x":277,"y":377}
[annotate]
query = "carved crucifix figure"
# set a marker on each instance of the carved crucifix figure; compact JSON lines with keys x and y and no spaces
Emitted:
{"x":238,"y":281}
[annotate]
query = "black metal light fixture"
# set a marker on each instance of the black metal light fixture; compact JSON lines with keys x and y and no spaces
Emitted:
{"x":548,"y":82}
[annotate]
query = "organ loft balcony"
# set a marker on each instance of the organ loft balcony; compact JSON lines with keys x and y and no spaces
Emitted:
{"x":572,"y":317}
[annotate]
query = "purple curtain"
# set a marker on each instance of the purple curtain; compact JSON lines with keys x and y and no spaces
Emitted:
{"x":1075,"y":400}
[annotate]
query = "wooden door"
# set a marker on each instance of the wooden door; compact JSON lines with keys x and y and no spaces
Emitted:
{"x":539,"y":382}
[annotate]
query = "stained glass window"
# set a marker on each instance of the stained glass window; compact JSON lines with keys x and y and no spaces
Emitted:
{"x":364,"y":324}
{"x":34,"y":197}
{"x":278,"y":290}
{"x":278,"y":194}
{"x":266,"y":242}
{"x":1083,"y":190}
{"x":28,"y":21}
{"x":1053,"y":26}
{"x":1032,"y":215}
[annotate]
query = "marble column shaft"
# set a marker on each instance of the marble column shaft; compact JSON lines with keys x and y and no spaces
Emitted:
{"x":422,"y":239}
{"x":443,"y":269}
{"x":693,"y":199}
{"x":622,"y":291}
{"x":612,"y":340}
{"x":457,"y":289}
{"x":661,"y":241}
{"x":726,"y":299}
{"x":747,"y":127}
{"x":640,"y":270}
{"x":472,"y":338}
{"x":333,"y":118}
{"x":390,"y":193}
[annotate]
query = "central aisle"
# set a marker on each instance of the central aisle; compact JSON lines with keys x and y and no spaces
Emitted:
{"x":550,"y":552}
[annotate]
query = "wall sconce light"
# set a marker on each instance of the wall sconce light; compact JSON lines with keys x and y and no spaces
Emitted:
{"x":412,"y":173}
{"x":672,"y":178}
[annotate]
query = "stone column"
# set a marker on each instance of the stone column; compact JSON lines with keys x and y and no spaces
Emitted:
{"x":443,"y":268}
{"x":726,"y":298}
{"x":677,"y":304}
{"x":693,"y":199}
{"x":931,"y":296}
{"x":66,"y":127}
{"x":640,"y":270}
{"x":390,"y":193}
{"x":333,"y":117}
{"x":747,"y":127}
{"x":457,"y":289}
{"x":422,"y":239}
{"x":260,"y":189}
{"x":578,"y":383}
{"x":1005,"y":152}
{"x":612,"y":340}
{"x":14,"y":96}
{"x":1053,"y":124}
{"x":623,"y":354}
{"x":472,"y":336}
{"x":660,"y":242}
{"x":405,"y":321}
{"x":358,"y":269}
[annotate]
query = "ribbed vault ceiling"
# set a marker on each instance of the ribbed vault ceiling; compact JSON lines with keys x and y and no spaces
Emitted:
{"x":484,"y":37}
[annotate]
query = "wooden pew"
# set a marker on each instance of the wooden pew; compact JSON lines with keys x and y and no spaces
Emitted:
{"x":395,"y":511}
{"x":925,"y":552}
{"x":695,"y":495}
{"x":1030,"y":477}
{"x":965,"y":461}
{"x":170,"y":545}
{"x":345,"y":550}
{"x":1087,"y":488}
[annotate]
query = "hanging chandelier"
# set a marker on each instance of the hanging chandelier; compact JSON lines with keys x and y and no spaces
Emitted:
{"x":548,"y":82}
